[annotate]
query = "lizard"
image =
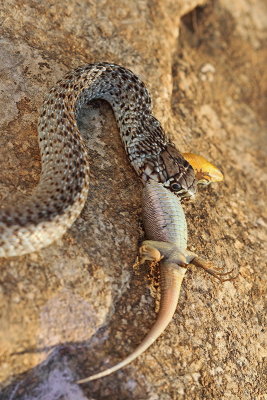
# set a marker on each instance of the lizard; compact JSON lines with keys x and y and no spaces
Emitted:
{"x":166,"y":229}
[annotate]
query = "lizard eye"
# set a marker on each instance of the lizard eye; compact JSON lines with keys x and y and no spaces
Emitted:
{"x":176,"y":187}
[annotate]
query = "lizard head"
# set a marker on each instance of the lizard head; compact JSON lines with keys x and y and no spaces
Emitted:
{"x":205,"y":172}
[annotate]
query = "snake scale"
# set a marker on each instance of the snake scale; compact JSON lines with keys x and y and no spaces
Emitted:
{"x":62,"y":190}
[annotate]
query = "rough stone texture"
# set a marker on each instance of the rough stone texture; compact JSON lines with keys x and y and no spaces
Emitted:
{"x":208,"y":86}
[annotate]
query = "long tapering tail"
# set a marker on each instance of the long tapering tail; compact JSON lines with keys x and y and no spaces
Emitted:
{"x":171,"y":277}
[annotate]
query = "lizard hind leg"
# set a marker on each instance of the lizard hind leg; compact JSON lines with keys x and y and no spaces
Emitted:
{"x":214,"y":270}
{"x":147,"y":252}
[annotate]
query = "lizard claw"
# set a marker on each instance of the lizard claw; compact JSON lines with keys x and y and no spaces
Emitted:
{"x":213,"y":270}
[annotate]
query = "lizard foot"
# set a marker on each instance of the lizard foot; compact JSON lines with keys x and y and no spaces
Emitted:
{"x":213,"y":270}
{"x":149,"y":253}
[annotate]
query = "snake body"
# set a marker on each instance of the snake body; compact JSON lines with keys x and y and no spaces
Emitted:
{"x":62,"y":190}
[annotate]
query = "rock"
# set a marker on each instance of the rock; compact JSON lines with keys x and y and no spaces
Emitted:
{"x":54,"y":302}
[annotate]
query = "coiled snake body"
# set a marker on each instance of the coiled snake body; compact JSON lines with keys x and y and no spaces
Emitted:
{"x":61,"y":193}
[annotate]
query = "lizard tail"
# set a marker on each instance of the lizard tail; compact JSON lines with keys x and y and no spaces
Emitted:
{"x":171,"y":277}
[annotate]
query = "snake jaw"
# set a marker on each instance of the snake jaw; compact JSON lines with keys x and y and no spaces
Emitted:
{"x":180,"y":174}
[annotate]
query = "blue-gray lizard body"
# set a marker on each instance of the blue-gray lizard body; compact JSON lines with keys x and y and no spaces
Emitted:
{"x":166,"y":229}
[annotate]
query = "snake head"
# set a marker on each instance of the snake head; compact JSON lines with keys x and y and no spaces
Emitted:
{"x":205,"y":172}
{"x":181,"y":178}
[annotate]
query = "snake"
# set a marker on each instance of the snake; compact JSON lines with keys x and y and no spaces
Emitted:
{"x":60,"y":195}
{"x":63,"y":187}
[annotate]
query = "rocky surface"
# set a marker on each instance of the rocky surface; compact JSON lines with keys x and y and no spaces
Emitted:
{"x":78,"y":306}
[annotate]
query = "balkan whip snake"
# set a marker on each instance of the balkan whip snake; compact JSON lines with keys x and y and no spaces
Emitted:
{"x":62,"y":190}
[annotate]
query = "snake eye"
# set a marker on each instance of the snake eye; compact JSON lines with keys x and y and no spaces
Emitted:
{"x":176,"y":187}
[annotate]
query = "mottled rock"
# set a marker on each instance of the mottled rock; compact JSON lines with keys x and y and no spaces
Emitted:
{"x":53,"y":303}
